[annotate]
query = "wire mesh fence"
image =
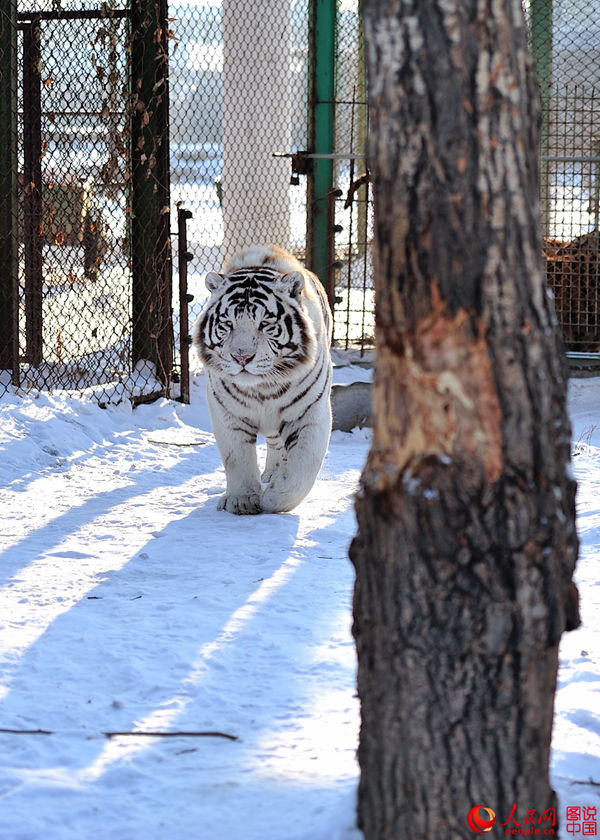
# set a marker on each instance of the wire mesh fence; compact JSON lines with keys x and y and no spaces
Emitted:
{"x":73,"y":164}
{"x":239,"y":98}
{"x":252,"y":117}
{"x":350,"y":199}
{"x":565,"y":38}
{"x":86,"y":254}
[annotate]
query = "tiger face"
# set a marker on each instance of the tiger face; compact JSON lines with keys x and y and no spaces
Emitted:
{"x":255,"y":325}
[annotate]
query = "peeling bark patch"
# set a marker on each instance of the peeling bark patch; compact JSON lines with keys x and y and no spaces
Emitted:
{"x":447,"y":406}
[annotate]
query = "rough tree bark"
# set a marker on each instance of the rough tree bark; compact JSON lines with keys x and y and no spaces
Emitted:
{"x":466,"y":542}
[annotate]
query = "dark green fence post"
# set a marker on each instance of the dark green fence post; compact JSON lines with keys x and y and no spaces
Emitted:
{"x":150,"y":214}
{"x":9,"y":284}
{"x":321,"y":134}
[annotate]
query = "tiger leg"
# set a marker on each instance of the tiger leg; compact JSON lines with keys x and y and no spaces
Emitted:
{"x":237,"y":445}
{"x":303,"y":444}
{"x":274,"y":457}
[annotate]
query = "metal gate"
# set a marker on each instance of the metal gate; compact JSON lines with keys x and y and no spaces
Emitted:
{"x":339,"y":207}
{"x":86,"y":259}
{"x":110,"y":146}
{"x":97,"y":172}
{"x":340,"y":217}
{"x":268,"y":125}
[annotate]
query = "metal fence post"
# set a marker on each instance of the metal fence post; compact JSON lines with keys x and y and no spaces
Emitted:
{"x":32,"y":189}
{"x":321,"y":134}
{"x":9,"y":284}
{"x":150,"y":213}
{"x":184,"y":300}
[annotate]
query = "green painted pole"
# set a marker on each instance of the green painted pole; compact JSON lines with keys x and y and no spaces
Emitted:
{"x":9,"y":283}
{"x":541,"y":20}
{"x":321,"y":134}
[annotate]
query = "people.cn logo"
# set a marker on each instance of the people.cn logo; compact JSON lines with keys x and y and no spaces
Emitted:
{"x":477,"y":822}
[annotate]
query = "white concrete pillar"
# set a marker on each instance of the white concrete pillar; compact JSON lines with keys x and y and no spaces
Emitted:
{"x":257,"y":117}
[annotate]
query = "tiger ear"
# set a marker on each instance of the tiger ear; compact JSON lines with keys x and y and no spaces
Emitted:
{"x":213,"y":280}
{"x":293,"y":282}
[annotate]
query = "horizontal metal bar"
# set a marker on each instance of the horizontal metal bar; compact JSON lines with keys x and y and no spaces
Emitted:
{"x":315,"y":156}
{"x":358,"y":156}
{"x":582,"y":356}
{"x":573,"y":159}
{"x":337,"y":156}
{"x":96,"y":14}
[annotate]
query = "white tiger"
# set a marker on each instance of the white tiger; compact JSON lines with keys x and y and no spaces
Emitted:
{"x":264,"y":339}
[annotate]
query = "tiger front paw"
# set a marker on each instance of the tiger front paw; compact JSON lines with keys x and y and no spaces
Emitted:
{"x":281,"y":497}
{"x":242,"y":505}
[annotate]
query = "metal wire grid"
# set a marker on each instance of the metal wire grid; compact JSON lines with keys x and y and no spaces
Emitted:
{"x":230,"y":114}
{"x":236,"y":101}
{"x":352,"y":209}
{"x":566,"y":44}
{"x":565,"y":39}
{"x":85,"y":177}
{"x":238,"y":94}
{"x":74,"y":272}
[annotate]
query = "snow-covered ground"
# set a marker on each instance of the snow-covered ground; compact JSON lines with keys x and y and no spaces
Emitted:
{"x":129,"y":604}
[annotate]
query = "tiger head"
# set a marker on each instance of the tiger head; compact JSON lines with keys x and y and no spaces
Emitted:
{"x":255,"y":325}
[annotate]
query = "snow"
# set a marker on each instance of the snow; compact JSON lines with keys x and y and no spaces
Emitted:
{"x":129,"y":604}
{"x":576,"y":741}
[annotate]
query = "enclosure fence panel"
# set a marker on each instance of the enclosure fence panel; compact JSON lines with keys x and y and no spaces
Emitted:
{"x":91,"y":183}
{"x":70,"y":178}
{"x":268,"y":124}
{"x":350,"y":199}
{"x":565,"y":40}
{"x":238,"y":95}
{"x":126,"y":124}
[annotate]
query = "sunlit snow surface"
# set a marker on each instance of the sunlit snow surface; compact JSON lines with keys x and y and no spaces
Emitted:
{"x":576,"y":742}
{"x":127,"y":602}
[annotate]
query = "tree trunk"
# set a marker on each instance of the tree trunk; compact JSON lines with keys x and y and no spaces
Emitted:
{"x":466,"y":542}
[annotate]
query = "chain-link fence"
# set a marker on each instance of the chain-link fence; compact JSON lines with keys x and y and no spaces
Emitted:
{"x":565,"y":39}
{"x":253,"y":88}
{"x":72,"y":152}
{"x":260,"y":135}
{"x":85,"y":284}
{"x":351,"y":204}
{"x":100,"y":168}
{"x":239,"y":98}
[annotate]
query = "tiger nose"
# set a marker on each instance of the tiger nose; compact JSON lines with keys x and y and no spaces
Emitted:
{"x":242,"y":359}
